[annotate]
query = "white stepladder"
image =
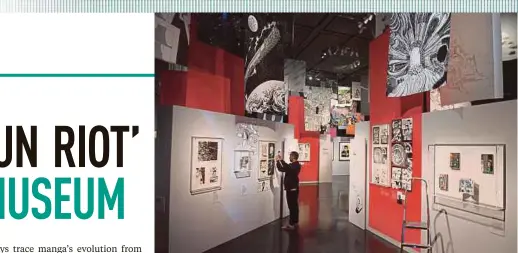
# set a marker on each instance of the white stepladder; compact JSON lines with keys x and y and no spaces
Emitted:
{"x":416,"y":224}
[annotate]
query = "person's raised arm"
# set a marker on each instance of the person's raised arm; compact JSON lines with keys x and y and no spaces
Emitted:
{"x":282,"y":166}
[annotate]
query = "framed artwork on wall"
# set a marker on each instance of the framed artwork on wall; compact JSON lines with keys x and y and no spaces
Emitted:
{"x":206,"y":164}
{"x":475,"y":184}
{"x":266,"y":159}
{"x":356,"y":91}
{"x":345,"y":96}
{"x":380,"y":161}
{"x":344,"y":151}
{"x":401,"y":142}
{"x":242,"y":163}
{"x":304,"y":152}
{"x":263,"y":185}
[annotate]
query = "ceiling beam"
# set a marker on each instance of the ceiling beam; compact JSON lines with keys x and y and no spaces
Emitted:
{"x":324,"y":22}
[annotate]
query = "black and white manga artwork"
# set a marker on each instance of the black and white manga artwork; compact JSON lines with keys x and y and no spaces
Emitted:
{"x":265,"y":89}
{"x":172,"y":37}
{"x":418,"y":52}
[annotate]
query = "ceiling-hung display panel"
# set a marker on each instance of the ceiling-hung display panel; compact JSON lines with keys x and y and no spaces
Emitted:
{"x":295,"y":76}
{"x":265,"y":44}
{"x":418,"y":52}
{"x":509,"y":42}
{"x":475,"y":59}
{"x":172,"y":37}
{"x":436,"y":104}
{"x":317,"y":113}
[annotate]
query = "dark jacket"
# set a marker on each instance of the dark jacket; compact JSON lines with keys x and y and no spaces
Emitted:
{"x":291,"y":178}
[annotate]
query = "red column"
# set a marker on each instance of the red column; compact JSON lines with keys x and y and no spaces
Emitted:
{"x":385,"y":215}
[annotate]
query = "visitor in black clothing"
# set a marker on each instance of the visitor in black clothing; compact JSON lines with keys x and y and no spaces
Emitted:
{"x":291,"y":186}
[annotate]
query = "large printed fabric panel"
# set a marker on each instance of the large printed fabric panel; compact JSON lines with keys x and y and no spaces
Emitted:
{"x":317,"y":113}
{"x":172,"y":37}
{"x":418,"y":52}
{"x":475,"y":57}
{"x":265,"y":89}
{"x":295,"y":76}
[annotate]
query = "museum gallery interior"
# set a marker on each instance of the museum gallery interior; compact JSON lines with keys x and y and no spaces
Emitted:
{"x":405,"y":125}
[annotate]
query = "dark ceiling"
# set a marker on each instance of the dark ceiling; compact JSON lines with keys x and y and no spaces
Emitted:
{"x":338,"y":35}
{"x":315,"y":33}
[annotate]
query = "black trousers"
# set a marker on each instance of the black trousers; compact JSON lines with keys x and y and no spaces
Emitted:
{"x":292,"y":197}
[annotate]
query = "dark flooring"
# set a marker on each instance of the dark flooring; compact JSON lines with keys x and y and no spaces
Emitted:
{"x":324,"y":227}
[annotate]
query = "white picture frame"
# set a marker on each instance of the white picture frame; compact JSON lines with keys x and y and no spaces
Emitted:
{"x":266,"y":161}
{"x":242,"y":163}
{"x":344,"y":151}
{"x":380,"y":152}
{"x":304,"y":152}
{"x":206,"y":164}
{"x":466,"y":176}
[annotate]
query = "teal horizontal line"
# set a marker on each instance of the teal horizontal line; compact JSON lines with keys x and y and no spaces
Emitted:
{"x":76,"y":75}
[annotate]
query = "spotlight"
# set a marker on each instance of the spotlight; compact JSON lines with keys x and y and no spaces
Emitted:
{"x":360,"y":25}
{"x":370,"y":17}
{"x":310,"y":78}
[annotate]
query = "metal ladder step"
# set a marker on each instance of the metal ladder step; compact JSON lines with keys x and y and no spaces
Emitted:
{"x":415,"y":246}
{"x":423,"y":226}
{"x":416,"y":225}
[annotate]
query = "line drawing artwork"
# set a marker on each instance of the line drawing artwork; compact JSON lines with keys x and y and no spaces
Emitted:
{"x":436,"y":104}
{"x":267,"y":160}
{"x":242,"y":166}
{"x":206,"y":164}
{"x":249,"y":136}
{"x":462,"y":68}
{"x":376,"y":135}
{"x":265,"y":89}
{"x":381,"y":169}
{"x":356,"y":91}
{"x":509,"y":41}
{"x":345,"y":96}
{"x":317,"y":108}
{"x":473,"y":59}
{"x":172,"y":37}
{"x":418,"y":52}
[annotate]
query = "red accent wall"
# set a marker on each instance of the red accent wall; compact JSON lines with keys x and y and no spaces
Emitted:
{"x":309,"y":171}
{"x":296,"y":114}
{"x":183,"y":88}
{"x":385,"y":215}
{"x":214,"y":74}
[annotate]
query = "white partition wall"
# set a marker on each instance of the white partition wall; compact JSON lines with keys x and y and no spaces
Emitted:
{"x":202,"y":221}
{"x":358,"y":175}
{"x":325,"y":170}
{"x":340,"y":167}
{"x":473,"y":134}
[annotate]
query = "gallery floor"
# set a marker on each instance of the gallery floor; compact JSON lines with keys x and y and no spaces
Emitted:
{"x":324,"y":227}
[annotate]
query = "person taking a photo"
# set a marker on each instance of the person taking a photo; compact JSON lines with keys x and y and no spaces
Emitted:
{"x":291,"y":186}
